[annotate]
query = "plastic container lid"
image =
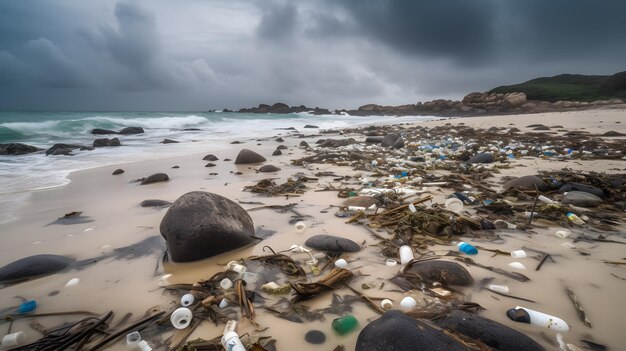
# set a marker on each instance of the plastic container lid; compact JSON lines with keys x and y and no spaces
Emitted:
{"x":181,"y":318}
{"x":454,"y":204}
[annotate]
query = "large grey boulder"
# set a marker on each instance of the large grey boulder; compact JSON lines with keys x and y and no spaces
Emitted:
{"x":396,"y":331}
{"x":106,"y":142}
{"x":17,"y":149}
{"x":200,"y":225}
{"x":491,"y":333}
{"x":247,"y":156}
{"x":331,"y":243}
{"x":131,"y":130}
{"x":581,"y":199}
{"x":444,"y":272}
{"x":392,"y":140}
{"x":155,"y":178}
{"x":484,"y":157}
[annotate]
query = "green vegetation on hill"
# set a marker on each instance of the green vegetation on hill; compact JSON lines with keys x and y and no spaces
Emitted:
{"x":572,"y":87}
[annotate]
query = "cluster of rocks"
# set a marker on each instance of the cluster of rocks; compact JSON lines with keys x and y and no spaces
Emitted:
{"x":281,"y":108}
{"x":124,"y":131}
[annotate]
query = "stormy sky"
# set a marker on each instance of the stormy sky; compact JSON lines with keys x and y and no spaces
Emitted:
{"x":194,"y":55}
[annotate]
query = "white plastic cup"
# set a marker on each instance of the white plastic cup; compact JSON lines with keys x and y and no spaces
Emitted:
{"x":144,"y":346}
{"x":517,"y":265}
{"x":499,"y":288}
{"x":406,"y":254}
{"x":72,"y":282}
{"x":181,"y":318}
{"x":341,"y":263}
{"x":518,"y":254}
{"x":223,"y":303}
{"x":453,"y":204}
{"x":239,"y":268}
{"x":12,"y":340}
{"x":300,"y":227}
{"x":226,"y":284}
{"x":412,"y":208}
{"x":133,"y":339}
{"x":187,"y":300}
{"x":408,"y":303}
{"x":386,"y":304}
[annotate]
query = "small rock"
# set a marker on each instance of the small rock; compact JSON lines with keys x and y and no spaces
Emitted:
{"x":99,"y":131}
{"x":315,"y":337}
{"x":169,"y":141}
{"x":277,"y":153}
{"x":280,"y":140}
{"x":527,"y":183}
{"x":155,"y":178}
{"x":268,"y":169}
{"x":485,"y":157}
{"x":131,"y":130}
{"x":154,"y":203}
{"x":310,"y":126}
{"x":281,"y":147}
{"x":582,"y":187}
{"x":106,"y":142}
{"x":304,"y":144}
{"x":331,"y":243}
{"x":581,"y":199}
{"x":17,"y":149}
{"x":247,"y":156}
{"x":210,"y":165}
{"x":391,"y":140}
{"x":373,"y":140}
{"x":210,"y":157}
{"x":118,"y":171}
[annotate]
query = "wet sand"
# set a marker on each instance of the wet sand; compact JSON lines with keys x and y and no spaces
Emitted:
{"x":112,"y":202}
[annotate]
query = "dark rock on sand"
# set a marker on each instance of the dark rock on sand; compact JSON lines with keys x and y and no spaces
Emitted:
{"x":210,"y":165}
{"x":154,"y":203}
{"x":277,"y":153}
{"x":169,"y":141}
{"x":582,"y":187}
{"x":485,"y":157}
{"x":280,"y":140}
{"x":526,"y":183}
{"x":491,"y":333}
{"x":445,"y":272}
{"x":131,"y":130}
{"x":337,"y":143}
{"x":247,"y":156}
{"x":268,"y":169}
{"x":331,"y":243}
{"x":118,"y":171}
{"x":315,"y":337}
{"x":65,"y":149}
{"x":359,"y":201}
{"x":390,"y":140}
{"x":33,"y":267}
{"x":200,"y":225}
{"x":612,"y":133}
{"x":373,"y":140}
{"x":281,"y":147}
{"x":396,"y":331}
{"x":304,"y":144}
{"x":581,"y":199}
{"x":155,"y":178}
{"x":310,"y":126}
{"x":99,"y":131}
{"x":106,"y":142}
{"x":17,"y":149}
{"x":210,"y":157}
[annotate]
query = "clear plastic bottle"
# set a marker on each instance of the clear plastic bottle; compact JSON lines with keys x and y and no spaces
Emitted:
{"x":230,"y":340}
{"x":575,"y":219}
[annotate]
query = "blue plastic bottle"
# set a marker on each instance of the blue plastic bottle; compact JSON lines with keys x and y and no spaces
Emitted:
{"x":467,"y":248}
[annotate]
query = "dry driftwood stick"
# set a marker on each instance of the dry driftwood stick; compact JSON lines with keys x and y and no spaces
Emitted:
{"x":579,"y":308}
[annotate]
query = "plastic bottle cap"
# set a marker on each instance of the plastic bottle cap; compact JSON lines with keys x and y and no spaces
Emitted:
{"x":454,"y":204}
{"x":181,"y":318}
{"x":133,"y":338}
{"x":341,"y":263}
{"x":386,"y":304}
{"x":518,"y":254}
{"x":300,"y":227}
{"x":517,"y":265}
{"x":72,"y":282}
{"x":408,"y":303}
{"x":390,"y":262}
{"x":226,"y":284}
{"x":223,"y":303}
{"x":187,"y":300}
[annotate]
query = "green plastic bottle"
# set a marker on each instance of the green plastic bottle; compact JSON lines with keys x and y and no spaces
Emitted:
{"x":344,"y":325}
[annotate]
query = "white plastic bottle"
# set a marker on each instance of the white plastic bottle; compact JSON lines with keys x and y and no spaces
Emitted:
{"x":230,"y":340}
{"x":406,"y":254}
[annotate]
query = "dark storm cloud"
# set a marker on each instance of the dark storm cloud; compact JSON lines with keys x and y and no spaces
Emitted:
{"x":189,"y":54}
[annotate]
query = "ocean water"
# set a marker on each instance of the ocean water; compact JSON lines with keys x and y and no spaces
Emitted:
{"x":20,"y":175}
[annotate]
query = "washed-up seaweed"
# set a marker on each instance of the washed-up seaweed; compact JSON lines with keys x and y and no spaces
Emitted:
{"x":268,"y":187}
{"x":579,"y":308}
{"x":285,"y":263}
{"x":514,"y":275}
{"x":334,"y":280}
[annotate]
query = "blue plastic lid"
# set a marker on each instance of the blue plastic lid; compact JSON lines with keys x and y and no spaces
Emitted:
{"x":27,"y":306}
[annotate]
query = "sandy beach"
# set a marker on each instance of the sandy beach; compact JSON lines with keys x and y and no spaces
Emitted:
{"x":134,"y":283}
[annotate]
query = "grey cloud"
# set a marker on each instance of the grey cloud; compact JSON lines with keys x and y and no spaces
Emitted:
{"x":278,"y":21}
